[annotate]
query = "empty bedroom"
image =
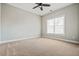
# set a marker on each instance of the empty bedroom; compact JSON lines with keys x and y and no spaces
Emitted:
{"x":39,"y":29}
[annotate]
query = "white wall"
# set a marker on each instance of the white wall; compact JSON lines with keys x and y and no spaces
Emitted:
{"x":78,"y":20}
{"x":0,"y":21}
{"x":17,"y":23}
{"x":71,"y":23}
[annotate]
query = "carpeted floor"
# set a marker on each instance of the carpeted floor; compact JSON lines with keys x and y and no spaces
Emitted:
{"x":39,"y":47}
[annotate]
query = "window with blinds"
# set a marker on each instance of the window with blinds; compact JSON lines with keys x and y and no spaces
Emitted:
{"x":55,"y":25}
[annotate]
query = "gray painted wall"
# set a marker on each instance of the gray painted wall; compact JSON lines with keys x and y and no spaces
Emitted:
{"x":78,"y":20}
{"x":0,"y":21}
{"x":17,"y":23}
{"x":71,"y":22}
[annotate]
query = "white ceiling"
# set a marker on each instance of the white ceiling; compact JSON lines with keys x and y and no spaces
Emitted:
{"x":28,"y":7}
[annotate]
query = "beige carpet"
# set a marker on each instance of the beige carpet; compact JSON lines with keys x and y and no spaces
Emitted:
{"x":39,"y":47}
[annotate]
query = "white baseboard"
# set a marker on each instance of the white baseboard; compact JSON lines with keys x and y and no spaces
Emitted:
{"x":18,"y":39}
{"x":65,"y":40}
{"x":70,"y":41}
{"x":38,"y":36}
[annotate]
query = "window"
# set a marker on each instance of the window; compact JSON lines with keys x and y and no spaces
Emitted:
{"x":55,"y":25}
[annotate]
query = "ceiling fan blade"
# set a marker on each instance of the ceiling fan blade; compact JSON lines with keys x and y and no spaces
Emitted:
{"x":37,"y":3}
{"x":35,"y":6}
{"x":41,"y":8}
{"x":46,"y":5}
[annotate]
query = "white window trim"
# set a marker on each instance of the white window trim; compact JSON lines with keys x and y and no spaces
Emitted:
{"x":54,"y":27}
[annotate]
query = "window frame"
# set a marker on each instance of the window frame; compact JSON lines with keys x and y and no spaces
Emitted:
{"x":54,"y":26}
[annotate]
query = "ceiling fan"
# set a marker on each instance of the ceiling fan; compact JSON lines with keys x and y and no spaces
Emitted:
{"x":41,"y":5}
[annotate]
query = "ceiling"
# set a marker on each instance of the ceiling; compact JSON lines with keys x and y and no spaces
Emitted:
{"x":28,"y":7}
